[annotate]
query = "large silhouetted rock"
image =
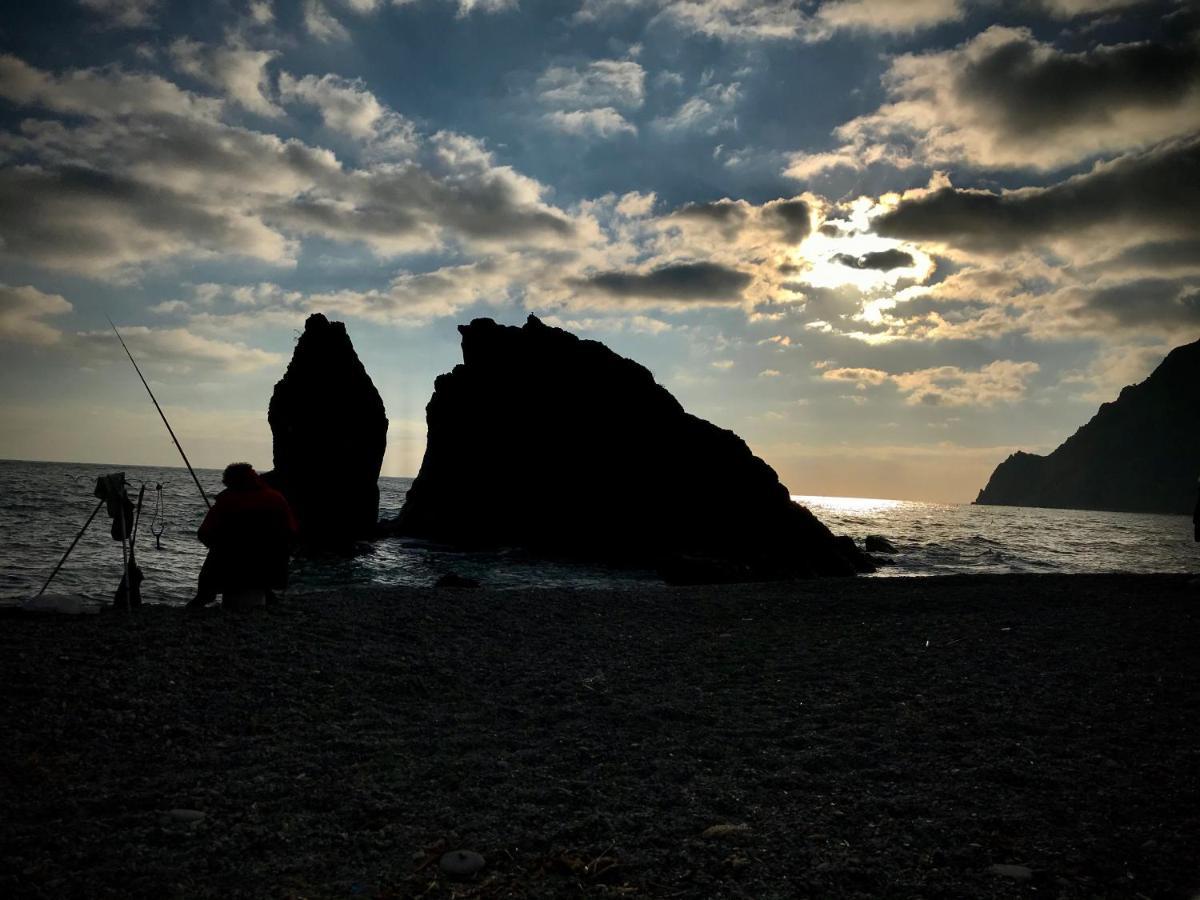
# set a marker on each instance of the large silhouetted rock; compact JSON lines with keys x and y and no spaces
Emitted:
{"x":1140,"y":453}
{"x":329,"y":432}
{"x":548,"y":442}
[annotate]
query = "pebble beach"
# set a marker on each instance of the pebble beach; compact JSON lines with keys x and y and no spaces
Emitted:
{"x":950,"y":737}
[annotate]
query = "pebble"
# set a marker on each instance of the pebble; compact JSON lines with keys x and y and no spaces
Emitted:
{"x":1020,"y":873}
{"x":725,"y":830}
{"x":460,"y":863}
{"x":183,"y":817}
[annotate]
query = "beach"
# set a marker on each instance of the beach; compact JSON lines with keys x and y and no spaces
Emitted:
{"x":962,"y":736}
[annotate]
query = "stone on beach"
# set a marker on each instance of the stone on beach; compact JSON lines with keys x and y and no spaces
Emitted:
{"x":329,"y":432}
{"x":1018,"y":873}
{"x":187,"y":817}
{"x":460,"y":863}
{"x":544,"y":441}
{"x":725,"y":830}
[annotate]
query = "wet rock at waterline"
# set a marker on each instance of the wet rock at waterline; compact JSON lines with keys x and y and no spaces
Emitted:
{"x":877,"y":543}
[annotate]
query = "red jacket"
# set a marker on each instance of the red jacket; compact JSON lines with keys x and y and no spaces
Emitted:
{"x":251,"y":531}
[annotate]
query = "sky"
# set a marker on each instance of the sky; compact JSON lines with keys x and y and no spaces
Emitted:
{"x":886,"y":243}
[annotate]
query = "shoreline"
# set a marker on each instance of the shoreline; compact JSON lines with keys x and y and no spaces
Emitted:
{"x":825,"y":738}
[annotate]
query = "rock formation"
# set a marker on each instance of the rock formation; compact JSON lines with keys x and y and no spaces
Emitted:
{"x":1140,"y":453}
{"x":544,"y":441}
{"x":329,"y":432}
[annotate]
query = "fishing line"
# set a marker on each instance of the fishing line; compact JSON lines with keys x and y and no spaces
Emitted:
{"x":162,"y":415}
{"x":158,"y":519}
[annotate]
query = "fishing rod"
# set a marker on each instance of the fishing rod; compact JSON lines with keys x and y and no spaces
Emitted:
{"x":50,"y":578}
{"x":163,"y":415}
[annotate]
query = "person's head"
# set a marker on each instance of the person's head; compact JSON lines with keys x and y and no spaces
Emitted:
{"x":239,"y":476}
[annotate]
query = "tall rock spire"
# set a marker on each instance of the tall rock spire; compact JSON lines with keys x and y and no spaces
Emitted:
{"x":329,"y":432}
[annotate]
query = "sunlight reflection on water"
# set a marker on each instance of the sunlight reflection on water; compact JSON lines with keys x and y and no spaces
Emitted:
{"x":857,"y":505}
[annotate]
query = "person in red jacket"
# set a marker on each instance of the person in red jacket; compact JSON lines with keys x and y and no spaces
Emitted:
{"x":249,"y":534}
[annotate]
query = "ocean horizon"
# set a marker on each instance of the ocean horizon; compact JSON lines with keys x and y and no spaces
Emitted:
{"x":48,"y":502}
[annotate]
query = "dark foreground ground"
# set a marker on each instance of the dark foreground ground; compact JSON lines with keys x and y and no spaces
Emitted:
{"x":867,"y":738}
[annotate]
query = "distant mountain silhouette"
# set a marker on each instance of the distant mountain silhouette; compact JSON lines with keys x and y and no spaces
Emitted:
{"x":1140,"y":453}
{"x":544,"y":441}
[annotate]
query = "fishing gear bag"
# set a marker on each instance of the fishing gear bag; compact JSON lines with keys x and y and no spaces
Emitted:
{"x":111,"y":489}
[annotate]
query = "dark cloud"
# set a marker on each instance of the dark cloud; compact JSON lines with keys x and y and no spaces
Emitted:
{"x":1004,"y":99}
{"x":1034,"y":91}
{"x":1156,"y":255}
{"x":727,"y":215}
{"x":883,"y":260}
{"x":1147,"y":301}
{"x":682,"y":281}
{"x":792,"y":217}
{"x":722,"y":211}
{"x":87,"y":220}
{"x":1159,"y":189}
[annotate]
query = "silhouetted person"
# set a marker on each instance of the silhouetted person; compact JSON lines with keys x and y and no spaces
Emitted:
{"x":249,"y":534}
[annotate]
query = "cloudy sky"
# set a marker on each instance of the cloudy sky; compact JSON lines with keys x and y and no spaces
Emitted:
{"x":887,"y":243}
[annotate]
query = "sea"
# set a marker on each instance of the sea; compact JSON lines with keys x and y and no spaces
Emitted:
{"x":43,"y":506}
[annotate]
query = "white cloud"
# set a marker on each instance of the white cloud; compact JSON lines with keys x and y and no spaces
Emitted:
{"x":1069,"y":9}
{"x":22,"y":310}
{"x":239,"y":72}
{"x":1002,"y":381}
{"x":466,"y":7}
{"x":601,"y":83}
{"x":346,"y":106}
{"x":261,"y":12}
{"x":782,"y":20}
{"x":98,"y":93}
{"x":418,"y":297}
{"x":605,"y":122}
{"x":736,"y":19}
{"x":888,"y":15}
{"x":322,"y":24}
{"x":709,"y":111}
{"x":636,"y":324}
{"x":177,"y":350}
